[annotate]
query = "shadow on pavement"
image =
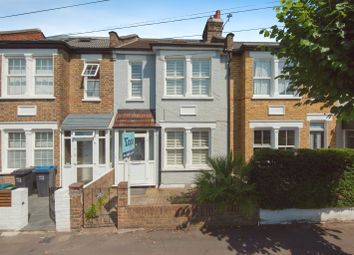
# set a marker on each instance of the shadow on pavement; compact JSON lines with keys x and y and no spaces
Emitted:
{"x":298,"y":239}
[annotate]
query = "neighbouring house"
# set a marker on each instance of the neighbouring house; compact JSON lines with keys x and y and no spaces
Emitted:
{"x":265,"y":114}
{"x":47,"y":86}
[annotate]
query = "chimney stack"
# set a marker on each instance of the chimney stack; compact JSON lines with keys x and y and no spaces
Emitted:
{"x":213,"y":27}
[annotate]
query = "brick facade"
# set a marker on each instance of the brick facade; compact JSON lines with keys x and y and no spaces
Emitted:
{"x":68,"y":93}
{"x":247,"y":109}
{"x":76,"y":206}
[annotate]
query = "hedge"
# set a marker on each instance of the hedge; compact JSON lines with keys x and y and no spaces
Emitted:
{"x":303,"y":178}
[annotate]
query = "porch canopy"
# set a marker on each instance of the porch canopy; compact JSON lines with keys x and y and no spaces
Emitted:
{"x":87,"y":121}
{"x":135,"y":119}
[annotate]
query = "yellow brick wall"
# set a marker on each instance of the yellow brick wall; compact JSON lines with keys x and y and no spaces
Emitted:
{"x":247,"y":109}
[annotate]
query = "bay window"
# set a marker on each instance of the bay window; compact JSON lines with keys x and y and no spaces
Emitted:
{"x":286,"y":139}
{"x":261,"y":139}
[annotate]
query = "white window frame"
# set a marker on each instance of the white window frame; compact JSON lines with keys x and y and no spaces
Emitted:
{"x":43,"y":75}
{"x":8,"y":148}
{"x":183,"y":148}
{"x":201,"y":147}
{"x":23,"y":75}
{"x":42,"y":148}
{"x":131,"y":80}
{"x":274,"y":86}
{"x":30,"y":75}
{"x":262,"y":145}
{"x":206,"y":78}
{"x":287,"y":146}
{"x":91,"y":78}
{"x":175,"y":78}
{"x":86,"y":66}
{"x":270,"y":78}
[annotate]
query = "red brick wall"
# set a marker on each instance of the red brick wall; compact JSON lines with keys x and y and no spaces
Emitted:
{"x":33,"y":35}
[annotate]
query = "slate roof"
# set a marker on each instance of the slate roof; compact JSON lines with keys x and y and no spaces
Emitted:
{"x":240,"y":45}
{"x":87,"y":121}
{"x":135,"y":119}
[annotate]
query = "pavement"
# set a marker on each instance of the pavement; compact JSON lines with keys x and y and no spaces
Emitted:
{"x":334,"y":238}
{"x":38,"y":218}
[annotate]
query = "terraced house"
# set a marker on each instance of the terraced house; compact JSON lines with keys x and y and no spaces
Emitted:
{"x":52,"y":92}
{"x":66,"y":101}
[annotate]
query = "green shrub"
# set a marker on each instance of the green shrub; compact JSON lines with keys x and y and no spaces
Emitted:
{"x":303,"y":178}
{"x":226,"y":185}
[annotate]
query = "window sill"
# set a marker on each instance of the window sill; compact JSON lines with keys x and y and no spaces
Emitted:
{"x":132,"y":100}
{"x":187,"y":168}
{"x":91,"y":100}
{"x":28,"y":98}
{"x":187,"y":98}
{"x":276,"y":97}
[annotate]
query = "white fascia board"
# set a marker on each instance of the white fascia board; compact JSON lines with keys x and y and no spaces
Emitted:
{"x":276,"y":124}
{"x":29,"y":125}
{"x":34,"y":52}
{"x":319,"y":117}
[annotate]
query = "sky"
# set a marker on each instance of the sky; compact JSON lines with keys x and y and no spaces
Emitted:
{"x":117,"y":13}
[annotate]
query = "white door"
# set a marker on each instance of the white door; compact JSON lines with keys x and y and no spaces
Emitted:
{"x":83,"y":159}
{"x":138,"y":161}
{"x":316,"y":139}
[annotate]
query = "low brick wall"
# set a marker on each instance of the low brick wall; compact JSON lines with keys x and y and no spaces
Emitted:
{"x":7,"y":178}
{"x":104,"y":181}
{"x":175,"y":216}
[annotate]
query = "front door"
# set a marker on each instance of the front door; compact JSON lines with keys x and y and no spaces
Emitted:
{"x":138,"y":161}
{"x":84,"y":160}
{"x":316,"y":139}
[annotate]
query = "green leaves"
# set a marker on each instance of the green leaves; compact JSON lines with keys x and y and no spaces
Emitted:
{"x":317,"y":38}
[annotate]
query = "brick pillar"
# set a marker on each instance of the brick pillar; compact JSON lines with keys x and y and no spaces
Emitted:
{"x":122,"y":214}
{"x":76,"y":205}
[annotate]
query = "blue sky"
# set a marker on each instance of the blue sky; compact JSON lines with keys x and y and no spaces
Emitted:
{"x":115,"y":13}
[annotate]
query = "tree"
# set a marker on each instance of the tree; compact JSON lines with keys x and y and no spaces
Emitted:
{"x":317,"y":39}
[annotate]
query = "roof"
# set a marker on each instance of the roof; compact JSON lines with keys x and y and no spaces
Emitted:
{"x":20,"y":35}
{"x":87,"y":121}
{"x":135,"y":119}
{"x":148,"y":43}
{"x":253,"y":45}
{"x":86,"y":42}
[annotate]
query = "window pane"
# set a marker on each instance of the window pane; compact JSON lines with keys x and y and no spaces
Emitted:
{"x":93,"y":88}
{"x":44,"y":66}
{"x":67,"y":144}
{"x":16,"y":159}
{"x":200,"y":156}
{"x":102,"y":133}
{"x":201,"y":68}
{"x":175,"y":139}
{"x":175,"y":87}
{"x":136,"y":70}
{"x":262,"y":68}
{"x":261,"y":87}
{"x":349,"y":139}
{"x":175,"y":68}
{"x":175,"y":157}
{"x":266,"y":136}
{"x":290,"y":137}
{"x":16,"y":85}
{"x":257,"y":137}
{"x":137,"y":89}
{"x":44,"y":85}
{"x":200,"y":86}
{"x":102,"y":151}
{"x":282,"y":137}
{"x":43,"y":157}
{"x":44,"y":139}
{"x":91,"y":70}
{"x":17,"y":140}
{"x":200,"y":139}
{"x":17,"y":66}
{"x":139,"y":151}
{"x":151,"y":145}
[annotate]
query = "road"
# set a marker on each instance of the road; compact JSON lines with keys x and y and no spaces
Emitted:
{"x":334,"y":238}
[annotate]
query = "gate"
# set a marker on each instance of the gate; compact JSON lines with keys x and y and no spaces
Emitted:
{"x":100,"y":207}
{"x":52,"y":203}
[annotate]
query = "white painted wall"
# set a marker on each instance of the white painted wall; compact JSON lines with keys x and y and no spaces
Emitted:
{"x":62,"y":210}
{"x":16,"y":216}
{"x":287,"y":216}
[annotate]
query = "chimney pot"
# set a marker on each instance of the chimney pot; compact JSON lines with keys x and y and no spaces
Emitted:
{"x":217,"y":14}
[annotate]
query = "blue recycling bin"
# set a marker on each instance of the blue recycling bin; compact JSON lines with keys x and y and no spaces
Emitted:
{"x":45,"y":178}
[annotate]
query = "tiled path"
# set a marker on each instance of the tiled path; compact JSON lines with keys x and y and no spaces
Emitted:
{"x":38,"y":210}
